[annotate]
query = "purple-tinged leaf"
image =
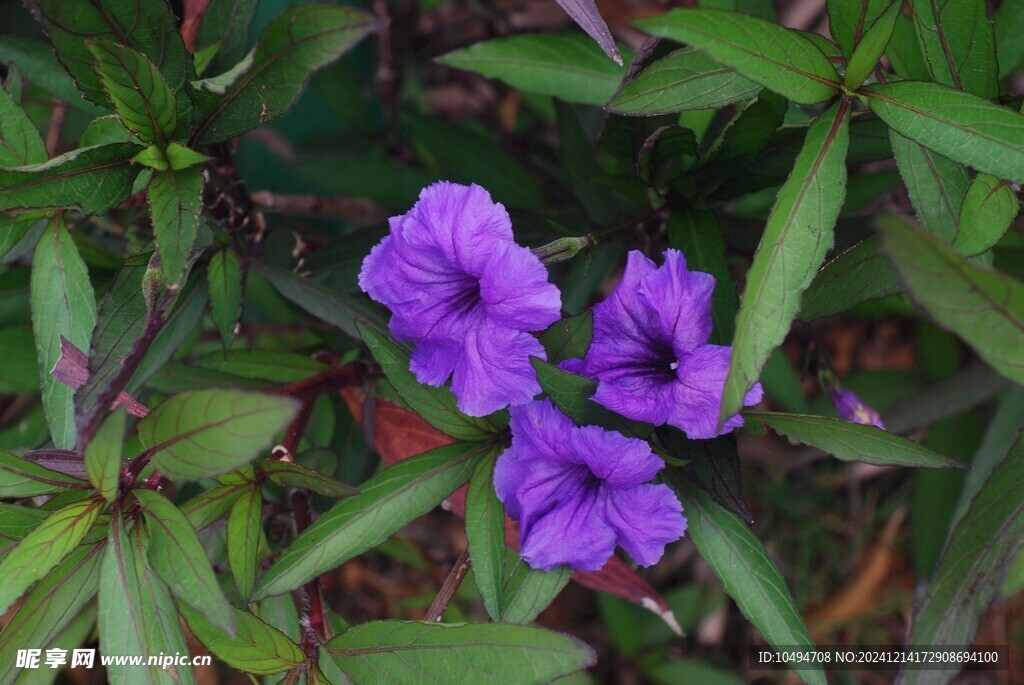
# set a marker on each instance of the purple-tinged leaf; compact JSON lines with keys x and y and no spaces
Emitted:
{"x":584,"y":13}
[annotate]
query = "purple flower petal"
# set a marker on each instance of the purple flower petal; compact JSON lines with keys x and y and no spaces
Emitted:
{"x":619,"y":461}
{"x":646,"y":518}
{"x":681,"y":299}
{"x":494,"y":369}
{"x":515,"y":290}
{"x":572,"y":533}
{"x":851,"y":408}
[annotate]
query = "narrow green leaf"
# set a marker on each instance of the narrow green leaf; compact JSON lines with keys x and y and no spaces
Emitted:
{"x":180,"y":157}
{"x":245,"y":533}
{"x":1009,"y":22}
{"x":747,"y":573}
{"x":569,"y":338}
{"x":528,"y":591}
{"x":388,"y":501}
{"x":741,"y":141}
{"x":798,"y":235}
{"x":212,"y":505}
{"x":989,"y":207}
{"x":437,"y":406}
{"x":17,"y":521}
{"x":44,"y":548}
{"x":292,"y":47}
{"x":50,"y":606}
{"x":959,"y":125}
{"x":176,"y":555}
{"x":119,"y":324}
{"x":287,"y":474}
{"x":684,"y":80}
{"x":103,"y":455}
{"x":569,"y":67}
{"x":18,"y":234}
{"x":985,"y":308}
{"x":225,"y":276}
{"x":22,"y":478}
{"x":969,"y":574}
{"x":414,"y":652}
{"x":778,"y":58}
{"x":854,"y":276}
{"x":848,"y":20}
{"x":871,"y":47}
{"x":571,"y":394}
{"x":334,"y":307}
{"x":209,"y":432}
{"x":94,"y":179}
{"x":20,"y":142}
{"x":905,"y":51}
{"x":148,"y":27}
{"x":485,"y":532}
{"x":853,"y":441}
{"x":175,"y":200}
{"x":255,"y":647}
{"x":140,"y":95}
{"x":63,"y":305}
{"x":935,"y":184}
{"x":37,"y":63}
{"x":959,"y":44}
{"x":104,"y":130}
{"x":136,"y":613}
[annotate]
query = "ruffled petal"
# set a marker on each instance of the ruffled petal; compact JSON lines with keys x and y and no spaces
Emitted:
{"x":515,"y":289}
{"x":623,"y":324}
{"x":433,"y":361}
{"x":540,"y":429}
{"x":619,"y":461}
{"x":698,"y":394}
{"x":645,"y":518}
{"x":494,"y":369}
{"x":573,"y":532}
{"x":638,"y":395}
{"x":681,"y":300}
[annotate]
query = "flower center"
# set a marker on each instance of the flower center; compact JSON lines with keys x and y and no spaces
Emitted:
{"x":468,"y":297}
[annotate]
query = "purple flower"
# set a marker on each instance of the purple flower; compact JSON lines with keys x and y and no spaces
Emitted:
{"x":577,"y":492}
{"x":851,"y":408}
{"x":650,"y":353}
{"x":466,"y":294}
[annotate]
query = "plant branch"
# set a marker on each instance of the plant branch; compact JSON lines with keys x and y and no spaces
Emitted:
{"x":447,"y":591}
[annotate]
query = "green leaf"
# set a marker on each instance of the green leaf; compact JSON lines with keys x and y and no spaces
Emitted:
{"x":292,"y":47}
{"x":741,"y":141}
{"x":136,"y":612}
{"x":571,"y":394}
{"x":176,"y":555}
{"x":255,"y":648}
{"x":44,"y":548}
{"x":148,"y":27}
{"x":747,"y":573}
{"x":413,"y":652}
{"x":959,"y":125}
{"x":17,"y":521}
{"x":798,"y":235}
{"x":871,"y":47}
{"x":245,"y":533}
{"x":959,"y":44}
{"x":905,"y":51}
{"x":22,"y":478}
{"x":212,"y":505}
{"x":935,"y":184}
{"x":977,"y":554}
{"x":778,"y":58}
{"x":848,"y":20}
{"x":330,"y":306}
{"x":1008,"y":23}
{"x":853,"y":442}
{"x":103,"y":455}
{"x":985,"y":308}
{"x":94,"y":179}
{"x":528,"y":591}
{"x":119,"y":324}
{"x":50,"y":606}
{"x":225,"y":276}
{"x":569,"y":67}
{"x":37,"y":63}
{"x":20,"y":142}
{"x":287,"y":474}
{"x":104,"y":130}
{"x":684,"y":80}
{"x":388,"y":501}
{"x":209,"y":432}
{"x":569,"y":338}
{"x":175,"y":200}
{"x":153,"y":158}
{"x":437,"y":406}
{"x":988,"y":209}
{"x":854,"y":276}
{"x":485,"y":533}
{"x":140,"y":95}
{"x":697,"y":234}
{"x":63,"y":305}
{"x":180,"y":157}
